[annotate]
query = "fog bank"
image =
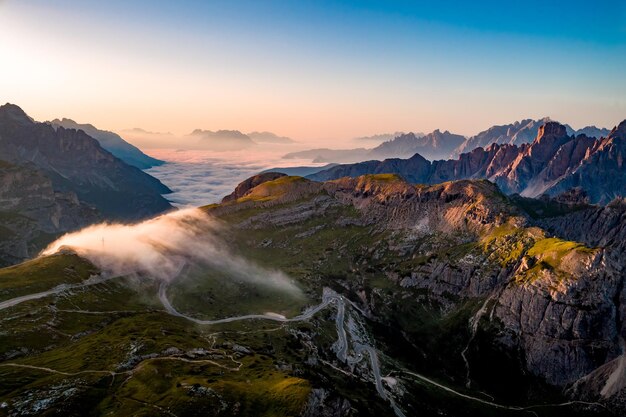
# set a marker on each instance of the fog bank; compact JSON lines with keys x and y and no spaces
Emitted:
{"x":161,"y":247}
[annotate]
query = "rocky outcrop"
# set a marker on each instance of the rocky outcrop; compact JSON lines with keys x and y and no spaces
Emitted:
{"x":565,"y":329}
{"x":248,"y":184}
{"x":321,"y":403}
{"x":33,"y":213}
{"x":596,"y":226}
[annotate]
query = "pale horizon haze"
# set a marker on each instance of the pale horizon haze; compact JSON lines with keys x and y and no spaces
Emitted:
{"x":314,"y":71}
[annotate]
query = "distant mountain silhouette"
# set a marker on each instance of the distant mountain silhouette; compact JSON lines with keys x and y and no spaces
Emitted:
{"x":113,"y":143}
{"x":269,"y":137}
{"x":233,"y":140}
{"x":383,"y":137}
{"x":435,"y":145}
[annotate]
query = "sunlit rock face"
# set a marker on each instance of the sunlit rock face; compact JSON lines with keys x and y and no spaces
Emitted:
{"x":553,"y":163}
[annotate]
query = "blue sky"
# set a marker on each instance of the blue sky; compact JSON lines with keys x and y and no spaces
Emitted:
{"x":316,"y":69}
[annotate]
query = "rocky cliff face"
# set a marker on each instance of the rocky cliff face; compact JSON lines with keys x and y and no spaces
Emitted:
{"x":601,"y":171}
{"x":33,"y":213}
{"x":553,"y":163}
{"x":76,"y":163}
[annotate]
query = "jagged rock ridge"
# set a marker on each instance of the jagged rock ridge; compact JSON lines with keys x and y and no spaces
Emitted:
{"x":553,"y":163}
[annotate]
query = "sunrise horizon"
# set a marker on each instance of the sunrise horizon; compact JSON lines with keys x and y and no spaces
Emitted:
{"x":406,"y":67}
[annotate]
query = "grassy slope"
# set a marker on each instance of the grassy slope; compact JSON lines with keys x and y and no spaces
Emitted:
{"x":208,"y":293}
{"x":42,"y":274}
{"x":60,"y":336}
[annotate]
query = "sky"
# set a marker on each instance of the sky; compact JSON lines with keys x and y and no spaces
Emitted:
{"x":314,"y":70}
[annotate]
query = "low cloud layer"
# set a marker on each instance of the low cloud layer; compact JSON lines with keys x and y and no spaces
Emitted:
{"x":162,"y":247}
{"x":201,"y":183}
{"x":198,"y":178}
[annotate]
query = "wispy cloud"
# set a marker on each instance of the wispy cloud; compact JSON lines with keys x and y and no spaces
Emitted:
{"x":162,"y":247}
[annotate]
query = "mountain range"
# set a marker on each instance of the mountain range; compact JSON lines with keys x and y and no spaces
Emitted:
{"x":434,"y":145}
{"x":233,"y":140}
{"x":269,"y":137}
{"x":221,"y":140}
{"x":200,"y":139}
{"x":440,"y":145}
{"x":520,"y":132}
{"x":383,"y":137}
{"x":554,"y":162}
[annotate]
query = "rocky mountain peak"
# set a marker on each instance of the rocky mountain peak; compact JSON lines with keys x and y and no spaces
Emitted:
{"x":110,"y":141}
{"x":12,"y":112}
{"x":553,"y":129}
{"x":619,"y":131}
{"x":549,"y":139}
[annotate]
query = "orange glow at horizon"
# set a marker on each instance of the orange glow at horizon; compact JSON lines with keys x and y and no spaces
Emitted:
{"x":118,"y":81}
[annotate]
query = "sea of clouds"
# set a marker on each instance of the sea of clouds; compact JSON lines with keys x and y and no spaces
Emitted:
{"x":199,"y":178}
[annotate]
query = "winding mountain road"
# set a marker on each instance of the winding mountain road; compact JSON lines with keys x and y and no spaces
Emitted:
{"x":329,"y":298}
{"x":326,"y":301}
{"x":56,"y":290}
